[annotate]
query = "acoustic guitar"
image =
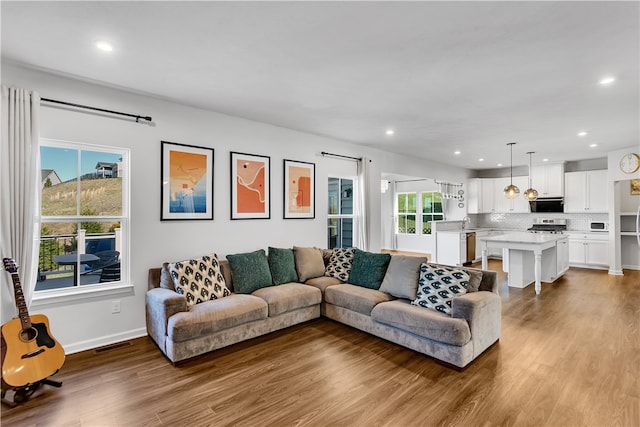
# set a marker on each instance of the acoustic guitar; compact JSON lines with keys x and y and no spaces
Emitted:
{"x":29,"y":352}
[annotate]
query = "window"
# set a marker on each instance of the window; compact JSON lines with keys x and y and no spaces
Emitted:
{"x":406,"y":213}
{"x":340,"y":213}
{"x":84,"y":215}
{"x":427,"y":204}
{"x":431,"y":210}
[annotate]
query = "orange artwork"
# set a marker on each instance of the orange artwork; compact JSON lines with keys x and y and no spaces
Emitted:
{"x":251,"y":186}
{"x":185,"y":172}
{"x":299,"y":189}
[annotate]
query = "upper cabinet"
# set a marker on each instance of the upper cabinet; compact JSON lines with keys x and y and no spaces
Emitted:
{"x":486,"y":195}
{"x":585,"y":191}
{"x":548,"y":179}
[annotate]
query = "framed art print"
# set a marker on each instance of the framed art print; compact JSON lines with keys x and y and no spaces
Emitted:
{"x":187,"y":182}
{"x":250,"y":186}
{"x":299,"y":189}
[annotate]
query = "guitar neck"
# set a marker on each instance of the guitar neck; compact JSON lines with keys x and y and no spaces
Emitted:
{"x":21,"y":303}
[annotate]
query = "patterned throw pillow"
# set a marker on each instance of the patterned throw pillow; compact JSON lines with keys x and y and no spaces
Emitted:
{"x":340,"y":264}
{"x":199,"y":279}
{"x":438,"y":285}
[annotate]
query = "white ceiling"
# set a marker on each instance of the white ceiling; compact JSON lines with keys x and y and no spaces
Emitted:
{"x":471,"y":76}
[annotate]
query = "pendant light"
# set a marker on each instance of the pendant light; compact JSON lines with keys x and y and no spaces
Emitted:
{"x":511,"y":191}
{"x":530,"y":194}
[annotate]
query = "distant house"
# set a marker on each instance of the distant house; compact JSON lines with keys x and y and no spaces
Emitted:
{"x":106,"y":170}
{"x":49,"y":175}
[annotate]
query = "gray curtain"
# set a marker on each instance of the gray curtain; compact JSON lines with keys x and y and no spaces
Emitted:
{"x":19,"y":191}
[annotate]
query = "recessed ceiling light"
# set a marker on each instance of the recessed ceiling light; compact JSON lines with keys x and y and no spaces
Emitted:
{"x":499,"y":164}
{"x":607,"y":80}
{"x":481,"y":160}
{"x":593,"y":145}
{"x":390,"y":132}
{"x":545,"y":160}
{"x":583,"y":133}
{"x":456,"y":152}
{"x":102,"y":45}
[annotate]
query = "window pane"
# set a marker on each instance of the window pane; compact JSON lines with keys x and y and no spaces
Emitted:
{"x":68,"y":257}
{"x":346,"y":196}
{"x":340,"y":233}
{"x":402,"y":202}
{"x":411,"y":202}
{"x":426,"y":226}
{"x":334,"y":195}
{"x":411,"y":224}
{"x":402,"y":224}
{"x":100,"y":184}
{"x":59,"y":186}
{"x":427,"y":202}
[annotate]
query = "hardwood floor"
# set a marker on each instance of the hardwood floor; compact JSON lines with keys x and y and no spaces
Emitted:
{"x":569,"y":357}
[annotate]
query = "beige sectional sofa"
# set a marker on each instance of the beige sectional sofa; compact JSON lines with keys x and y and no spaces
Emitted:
{"x":182,"y":330}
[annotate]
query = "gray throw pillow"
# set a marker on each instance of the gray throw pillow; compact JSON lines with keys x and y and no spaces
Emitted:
{"x":309,"y":263}
{"x":401,"y":279}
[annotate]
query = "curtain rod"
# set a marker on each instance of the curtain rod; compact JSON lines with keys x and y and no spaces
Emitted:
{"x":136,"y":116}
{"x":357,"y":159}
{"x":414,"y":180}
{"x":448,"y":183}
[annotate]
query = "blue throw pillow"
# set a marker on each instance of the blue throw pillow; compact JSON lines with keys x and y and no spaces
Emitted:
{"x":250,"y":271}
{"x":368,"y":269}
{"x":282,"y":265}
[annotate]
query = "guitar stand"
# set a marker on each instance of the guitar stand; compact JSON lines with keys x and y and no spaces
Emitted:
{"x":23,"y":393}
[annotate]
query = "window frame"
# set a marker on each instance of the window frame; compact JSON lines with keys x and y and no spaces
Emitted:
{"x":432,"y":213}
{"x":418,"y":213}
{"x":406,"y":212}
{"x":124,"y":285}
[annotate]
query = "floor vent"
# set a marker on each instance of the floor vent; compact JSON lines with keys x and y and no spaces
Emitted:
{"x":112,"y":347}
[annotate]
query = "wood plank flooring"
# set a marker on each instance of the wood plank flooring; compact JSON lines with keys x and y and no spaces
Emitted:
{"x":569,"y":357}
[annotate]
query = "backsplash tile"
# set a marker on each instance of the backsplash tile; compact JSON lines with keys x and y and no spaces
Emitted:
{"x":507,"y":221}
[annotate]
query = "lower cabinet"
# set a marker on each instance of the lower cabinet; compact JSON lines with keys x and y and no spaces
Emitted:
{"x":588,"y":250}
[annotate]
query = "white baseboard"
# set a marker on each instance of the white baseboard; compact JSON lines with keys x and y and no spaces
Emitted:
{"x":102,"y":341}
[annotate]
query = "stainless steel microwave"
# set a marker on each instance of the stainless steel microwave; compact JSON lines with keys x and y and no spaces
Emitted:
{"x":547,"y":205}
{"x":598,"y":226}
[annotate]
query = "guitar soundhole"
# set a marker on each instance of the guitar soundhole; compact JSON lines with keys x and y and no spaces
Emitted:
{"x":28,"y":334}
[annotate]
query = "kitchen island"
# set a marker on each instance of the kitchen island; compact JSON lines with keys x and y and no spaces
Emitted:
{"x":531,"y":257}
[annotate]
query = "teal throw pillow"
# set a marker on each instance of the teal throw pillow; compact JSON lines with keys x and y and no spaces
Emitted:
{"x":250,"y":271}
{"x":282,"y":265}
{"x":368,"y":269}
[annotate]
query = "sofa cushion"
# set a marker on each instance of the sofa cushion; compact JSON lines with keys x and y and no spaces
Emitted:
{"x":282,"y":265}
{"x":438,"y":285}
{"x":213,"y":316}
{"x":430,"y":324}
{"x":323,"y":282}
{"x":250,"y":271}
{"x":355,"y":298}
{"x":340,"y":263}
{"x":166,"y":281}
{"x":289,"y":297}
{"x":309,"y":263}
{"x":368,"y":269}
{"x":199,"y":279}
{"x":401,"y":278}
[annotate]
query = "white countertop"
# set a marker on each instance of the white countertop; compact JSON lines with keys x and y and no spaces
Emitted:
{"x":524,"y":237}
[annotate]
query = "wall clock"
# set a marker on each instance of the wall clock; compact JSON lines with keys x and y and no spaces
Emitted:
{"x":630,"y":163}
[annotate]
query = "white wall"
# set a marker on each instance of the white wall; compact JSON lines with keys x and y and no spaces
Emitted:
{"x":89,"y":323}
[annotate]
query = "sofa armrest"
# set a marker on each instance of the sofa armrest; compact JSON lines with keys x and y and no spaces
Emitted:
{"x":161,"y":304}
{"x":483,"y":311}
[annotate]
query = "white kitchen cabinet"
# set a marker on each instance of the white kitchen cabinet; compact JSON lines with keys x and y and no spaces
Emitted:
{"x":589,"y":250}
{"x":487,"y":195}
{"x":548,"y":179}
{"x":585,"y":191}
{"x":473,"y":196}
{"x":562,"y":253}
{"x":451,"y":247}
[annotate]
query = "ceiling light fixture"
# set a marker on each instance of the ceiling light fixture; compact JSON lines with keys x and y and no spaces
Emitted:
{"x":545,"y":160}
{"x":499,"y":164}
{"x":511,"y":191}
{"x":481,"y":160}
{"x":607,"y":80}
{"x":583,"y":133}
{"x":456,"y":152}
{"x":390,"y":132}
{"x":593,"y":145}
{"x":102,"y":45}
{"x":530,"y":193}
